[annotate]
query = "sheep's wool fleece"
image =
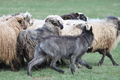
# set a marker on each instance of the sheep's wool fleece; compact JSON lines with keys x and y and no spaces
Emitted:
{"x":8,"y":36}
{"x":105,"y":35}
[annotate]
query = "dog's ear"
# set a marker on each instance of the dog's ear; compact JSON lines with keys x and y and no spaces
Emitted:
{"x":84,"y":28}
{"x":47,"y":20}
{"x":55,"y":23}
{"x":91,"y":28}
{"x":52,"y":21}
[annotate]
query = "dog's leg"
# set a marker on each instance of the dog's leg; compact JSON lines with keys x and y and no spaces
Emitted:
{"x":72,"y":63}
{"x":37,"y":60}
{"x":84,"y":63}
{"x":111,"y":58}
{"x":53,"y":64}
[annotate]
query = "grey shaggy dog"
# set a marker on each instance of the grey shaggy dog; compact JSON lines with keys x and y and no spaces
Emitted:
{"x":26,"y":45}
{"x":57,"y":47}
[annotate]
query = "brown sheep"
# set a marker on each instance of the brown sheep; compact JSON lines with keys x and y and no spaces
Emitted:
{"x":9,"y":30}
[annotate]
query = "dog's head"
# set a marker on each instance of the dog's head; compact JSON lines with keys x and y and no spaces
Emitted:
{"x":55,"y":20}
{"x":88,"y":31}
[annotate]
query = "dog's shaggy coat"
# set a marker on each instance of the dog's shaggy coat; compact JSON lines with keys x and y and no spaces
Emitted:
{"x":57,"y":47}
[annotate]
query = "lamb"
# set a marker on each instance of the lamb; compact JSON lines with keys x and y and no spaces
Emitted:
{"x":69,"y":47}
{"x":106,"y":36}
{"x":52,"y":26}
{"x":8,"y":38}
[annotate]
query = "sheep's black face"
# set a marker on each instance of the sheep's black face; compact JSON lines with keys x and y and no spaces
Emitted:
{"x":118,"y":24}
{"x":82,"y":17}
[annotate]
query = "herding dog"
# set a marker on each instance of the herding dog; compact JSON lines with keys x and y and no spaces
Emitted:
{"x":57,"y":47}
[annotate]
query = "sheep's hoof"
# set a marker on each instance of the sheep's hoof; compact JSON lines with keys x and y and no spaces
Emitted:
{"x":14,"y":70}
{"x":116,"y":64}
{"x":99,"y":64}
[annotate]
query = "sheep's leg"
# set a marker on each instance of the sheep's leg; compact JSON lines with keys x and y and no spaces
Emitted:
{"x":111,"y":58}
{"x":63,"y":61}
{"x":84,"y":63}
{"x":72,"y":63}
{"x":37,"y":60}
{"x":2,"y":65}
{"x":16,"y":64}
{"x":53,"y":64}
{"x":12,"y":66}
{"x":102,"y":60}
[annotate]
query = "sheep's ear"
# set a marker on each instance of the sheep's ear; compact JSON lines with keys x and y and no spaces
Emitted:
{"x":19,"y":19}
{"x":79,"y":26}
{"x":76,"y":14}
{"x":118,"y":23}
{"x":17,"y":13}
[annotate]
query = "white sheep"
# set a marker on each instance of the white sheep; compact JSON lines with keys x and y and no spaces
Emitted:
{"x":106,"y":36}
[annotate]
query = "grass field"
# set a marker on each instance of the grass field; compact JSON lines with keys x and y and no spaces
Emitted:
{"x":42,"y":8}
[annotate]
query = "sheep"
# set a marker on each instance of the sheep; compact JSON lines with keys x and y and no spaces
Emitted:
{"x":26,"y":44}
{"x":5,"y":18}
{"x":37,"y":23}
{"x":106,"y":36}
{"x":71,"y":27}
{"x":77,"y":16}
{"x":8,"y":38}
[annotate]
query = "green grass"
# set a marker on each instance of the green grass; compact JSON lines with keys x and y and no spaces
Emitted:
{"x":40,"y":9}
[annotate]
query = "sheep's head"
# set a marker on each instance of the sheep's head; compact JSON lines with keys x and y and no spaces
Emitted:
{"x":78,"y":16}
{"x":26,"y":18}
{"x":81,"y":16}
{"x":119,"y":22}
{"x":21,"y":22}
{"x":55,"y":20}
